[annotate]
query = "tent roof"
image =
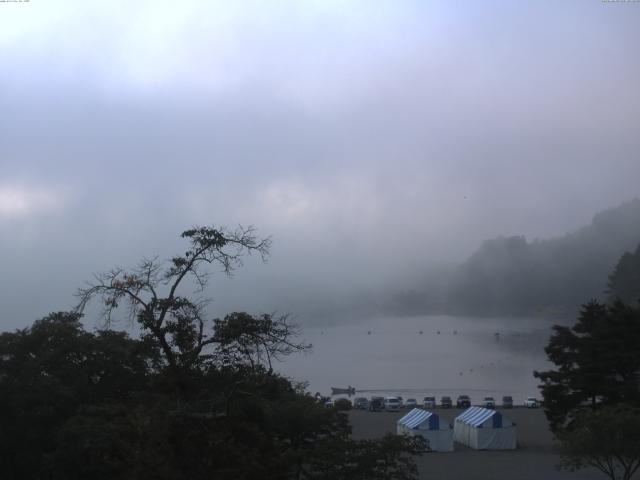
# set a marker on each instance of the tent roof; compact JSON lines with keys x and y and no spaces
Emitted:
{"x":415,"y":418}
{"x":476,"y":416}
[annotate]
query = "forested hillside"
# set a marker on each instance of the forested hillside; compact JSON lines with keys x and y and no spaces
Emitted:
{"x":510,"y":275}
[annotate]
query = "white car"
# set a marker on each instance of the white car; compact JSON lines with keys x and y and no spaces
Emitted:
{"x":531,"y":402}
{"x":329,"y":404}
{"x":391,"y":404}
{"x":429,"y":402}
{"x":411,"y":403}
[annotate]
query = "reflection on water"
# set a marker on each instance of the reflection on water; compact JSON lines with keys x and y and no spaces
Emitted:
{"x":417,"y":356}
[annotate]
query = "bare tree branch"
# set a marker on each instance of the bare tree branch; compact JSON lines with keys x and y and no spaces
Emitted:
{"x":177,"y":323}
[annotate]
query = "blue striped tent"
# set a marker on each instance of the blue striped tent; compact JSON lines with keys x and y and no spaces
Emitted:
{"x":436,"y":432}
{"x":485,"y":429}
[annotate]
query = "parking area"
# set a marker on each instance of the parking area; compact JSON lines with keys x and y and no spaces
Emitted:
{"x":536,"y":457}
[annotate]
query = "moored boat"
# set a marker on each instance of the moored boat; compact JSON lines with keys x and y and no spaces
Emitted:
{"x":343,"y":391}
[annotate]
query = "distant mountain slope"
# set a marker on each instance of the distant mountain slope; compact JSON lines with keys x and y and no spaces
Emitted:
{"x":514,"y":276}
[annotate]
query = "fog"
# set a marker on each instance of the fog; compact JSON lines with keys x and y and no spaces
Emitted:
{"x":376,"y":142}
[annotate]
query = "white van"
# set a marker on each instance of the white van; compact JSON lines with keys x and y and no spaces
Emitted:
{"x":391,"y":404}
{"x":531,"y":402}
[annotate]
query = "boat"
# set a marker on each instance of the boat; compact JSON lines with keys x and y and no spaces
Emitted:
{"x":343,"y":391}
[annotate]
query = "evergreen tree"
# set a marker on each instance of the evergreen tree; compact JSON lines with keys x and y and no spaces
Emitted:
{"x":597,"y":360}
{"x":624,"y":282}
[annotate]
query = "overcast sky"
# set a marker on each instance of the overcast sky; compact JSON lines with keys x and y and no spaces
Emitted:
{"x":371,"y":139}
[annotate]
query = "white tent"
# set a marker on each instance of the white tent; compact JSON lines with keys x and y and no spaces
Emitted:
{"x":484,"y":429}
{"x":438,"y":434}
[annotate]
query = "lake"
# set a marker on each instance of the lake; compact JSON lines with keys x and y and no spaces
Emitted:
{"x":426,"y":355}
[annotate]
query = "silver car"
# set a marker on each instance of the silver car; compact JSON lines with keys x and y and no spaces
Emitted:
{"x":429,"y":402}
{"x":391,"y":404}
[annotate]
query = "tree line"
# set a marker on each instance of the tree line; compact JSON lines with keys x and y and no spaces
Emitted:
{"x":592,"y":397}
{"x":198,"y":398}
{"x":514,"y":276}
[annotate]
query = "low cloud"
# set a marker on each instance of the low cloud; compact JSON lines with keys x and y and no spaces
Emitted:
{"x":22,"y":201}
{"x":369,"y":139}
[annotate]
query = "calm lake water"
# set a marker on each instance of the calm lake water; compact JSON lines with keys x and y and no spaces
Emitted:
{"x":452,"y":355}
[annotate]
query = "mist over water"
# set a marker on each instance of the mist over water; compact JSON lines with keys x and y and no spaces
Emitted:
{"x":476,"y":356}
{"x":374,"y":141}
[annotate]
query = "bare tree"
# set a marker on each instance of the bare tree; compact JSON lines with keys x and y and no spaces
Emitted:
{"x":151,"y":290}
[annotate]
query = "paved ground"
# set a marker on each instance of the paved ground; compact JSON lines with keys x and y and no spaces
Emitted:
{"x":535,"y":459}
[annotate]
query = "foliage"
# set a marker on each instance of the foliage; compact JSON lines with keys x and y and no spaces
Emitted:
{"x":241,"y":338}
{"x":624,"y":282}
{"x":48,"y":371}
{"x":387,"y":458}
{"x":606,"y":439}
{"x":233,"y":422}
{"x":342,"y":404}
{"x":598,"y":363}
{"x":191,"y":399}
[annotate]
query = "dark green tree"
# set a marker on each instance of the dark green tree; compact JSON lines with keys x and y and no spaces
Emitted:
{"x":624,"y":282}
{"x":606,"y":439}
{"x":386,"y":458}
{"x":48,"y":372}
{"x":597,"y":360}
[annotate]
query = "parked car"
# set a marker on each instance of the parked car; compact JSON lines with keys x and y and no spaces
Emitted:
{"x":507,"y":401}
{"x":463,"y":401}
{"x":489,"y":402}
{"x":360,"y":403}
{"x":446,"y":402}
{"x":411,"y":403}
{"x":429,"y":402}
{"x":329,"y":404}
{"x":531,"y":402}
{"x":401,"y":400}
{"x":391,"y":404}
{"x":376,"y":404}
